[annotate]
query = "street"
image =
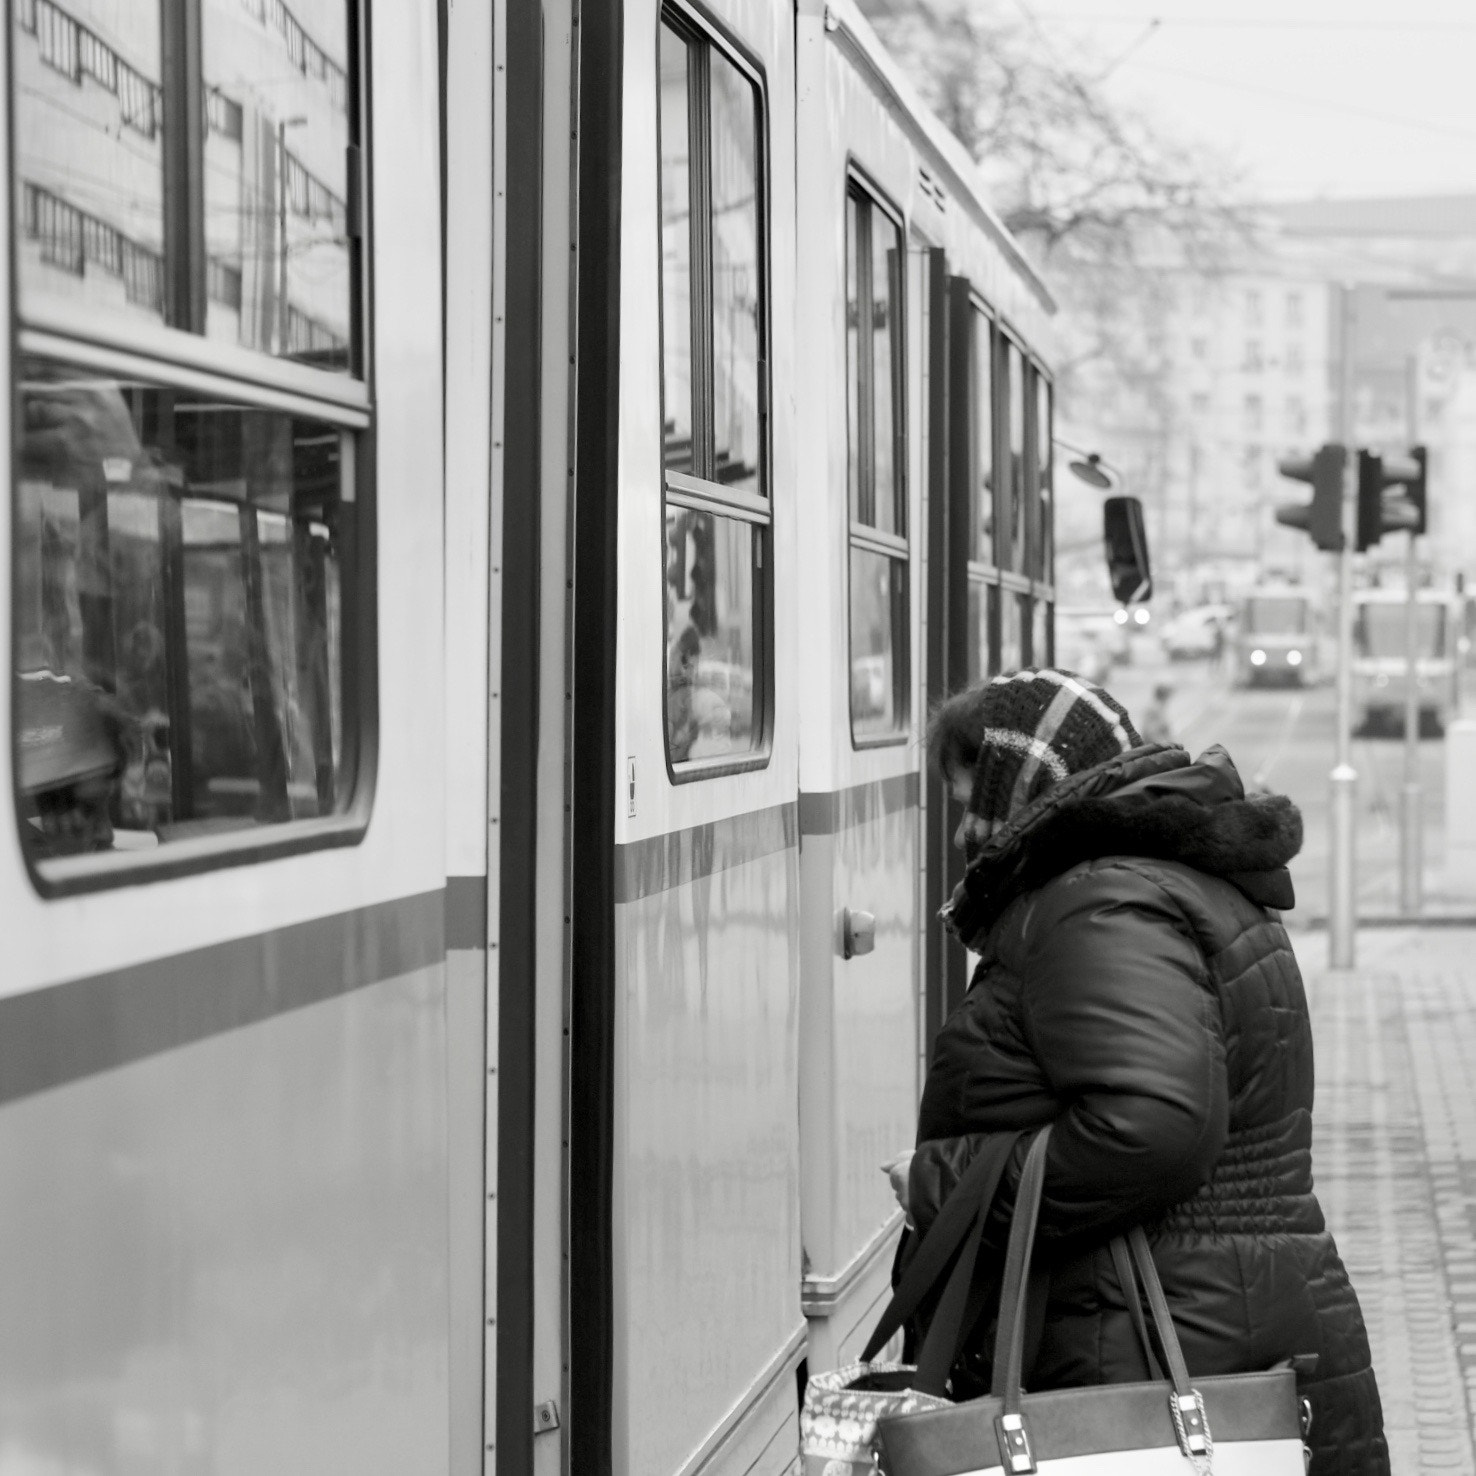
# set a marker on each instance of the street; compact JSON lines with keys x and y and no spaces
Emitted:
{"x":1282,"y":739}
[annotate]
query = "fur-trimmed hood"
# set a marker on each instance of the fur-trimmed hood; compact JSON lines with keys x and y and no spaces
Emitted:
{"x":1152,"y":801}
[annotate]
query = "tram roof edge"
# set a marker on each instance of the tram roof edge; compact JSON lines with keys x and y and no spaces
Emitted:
{"x":844,"y":19}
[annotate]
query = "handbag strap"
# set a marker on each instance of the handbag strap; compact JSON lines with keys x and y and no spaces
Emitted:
{"x":958,"y":1228}
{"x":1127,"y":1278}
{"x":1009,"y":1338}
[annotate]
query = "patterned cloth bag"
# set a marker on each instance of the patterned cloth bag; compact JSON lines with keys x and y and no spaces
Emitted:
{"x":838,"y":1424}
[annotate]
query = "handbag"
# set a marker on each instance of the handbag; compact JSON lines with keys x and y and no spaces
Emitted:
{"x":838,"y":1422}
{"x":1227,"y":1424}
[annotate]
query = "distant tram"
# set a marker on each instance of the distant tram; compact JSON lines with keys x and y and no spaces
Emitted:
{"x":1381,"y":665}
{"x":494,"y":490}
{"x":1275,"y":638}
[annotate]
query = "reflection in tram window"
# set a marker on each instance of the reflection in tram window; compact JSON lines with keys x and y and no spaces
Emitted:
{"x":276,"y":177}
{"x":735,"y":277}
{"x":1012,"y":628}
{"x":178,"y":587}
{"x":710,"y":697}
{"x":676,"y":251}
{"x":983,"y":438}
{"x":983,"y":614}
{"x":1045,"y":557}
{"x":878,"y":642}
{"x":1017,"y":491}
{"x":876,"y":487}
{"x":247,"y":241}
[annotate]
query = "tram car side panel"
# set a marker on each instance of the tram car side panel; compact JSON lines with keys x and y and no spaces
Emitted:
{"x":859,"y":761}
{"x":223,"y":1119}
{"x":705,"y":1217}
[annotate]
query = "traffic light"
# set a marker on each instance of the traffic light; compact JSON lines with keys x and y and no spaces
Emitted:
{"x":1384,"y":501}
{"x":1323,"y":516}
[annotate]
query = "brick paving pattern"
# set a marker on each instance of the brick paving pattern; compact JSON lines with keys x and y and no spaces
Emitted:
{"x":1395,"y":1158}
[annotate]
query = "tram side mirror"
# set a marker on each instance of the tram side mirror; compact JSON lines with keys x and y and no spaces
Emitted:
{"x":1126,"y":540}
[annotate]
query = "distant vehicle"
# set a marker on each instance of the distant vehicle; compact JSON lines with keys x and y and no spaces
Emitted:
{"x":1196,"y":633}
{"x":1380,"y":670}
{"x":1091,"y":642}
{"x":1275,"y":638}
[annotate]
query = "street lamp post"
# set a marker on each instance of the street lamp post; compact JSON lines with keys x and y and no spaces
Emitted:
{"x":282,"y":127}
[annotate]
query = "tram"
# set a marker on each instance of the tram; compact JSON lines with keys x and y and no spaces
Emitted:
{"x":1275,"y":637}
{"x":494,"y":492}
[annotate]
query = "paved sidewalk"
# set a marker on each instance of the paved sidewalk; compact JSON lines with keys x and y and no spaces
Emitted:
{"x":1395,"y":1160}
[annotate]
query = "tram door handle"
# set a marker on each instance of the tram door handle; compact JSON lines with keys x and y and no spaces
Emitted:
{"x":858,"y":932}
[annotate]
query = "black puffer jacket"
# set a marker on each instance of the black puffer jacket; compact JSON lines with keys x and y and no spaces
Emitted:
{"x":1135,"y":990}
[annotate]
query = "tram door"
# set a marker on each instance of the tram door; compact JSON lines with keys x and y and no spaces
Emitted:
{"x":863,"y":321}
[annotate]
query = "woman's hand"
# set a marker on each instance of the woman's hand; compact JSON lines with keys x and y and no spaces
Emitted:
{"x":897,"y":1170}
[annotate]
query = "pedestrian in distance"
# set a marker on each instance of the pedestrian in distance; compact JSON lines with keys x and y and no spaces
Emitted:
{"x":1136,"y":988}
{"x":1154,"y":725}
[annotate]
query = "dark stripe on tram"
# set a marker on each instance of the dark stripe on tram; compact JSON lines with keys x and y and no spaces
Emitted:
{"x":52,"y":1036}
{"x":823,"y":813}
{"x":597,"y":379}
{"x":645,"y":867}
{"x":517,"y":934}
{"x":466,"y":912}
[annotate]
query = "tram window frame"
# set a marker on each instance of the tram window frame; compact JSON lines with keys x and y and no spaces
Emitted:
{"x":863,"y":536}
{"x":702,"y":493}
{"x":178,"y":356}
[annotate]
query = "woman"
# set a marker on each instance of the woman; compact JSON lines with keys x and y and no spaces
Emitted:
{"x":1136,"y":988}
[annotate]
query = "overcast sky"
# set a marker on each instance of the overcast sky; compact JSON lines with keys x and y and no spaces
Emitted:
{"x":1309,"y":97}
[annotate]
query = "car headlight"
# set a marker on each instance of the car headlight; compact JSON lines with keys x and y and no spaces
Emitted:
{"x":1258,"y":657}
{"x":1293,"y":658}
{"x":1141,"y":616}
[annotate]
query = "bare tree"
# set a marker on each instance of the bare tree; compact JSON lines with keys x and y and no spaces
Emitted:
{"x":1126,"y":218}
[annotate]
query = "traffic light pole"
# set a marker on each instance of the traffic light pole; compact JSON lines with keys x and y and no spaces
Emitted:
{"x":1343,"y":781}
{"x":1411,"y":798}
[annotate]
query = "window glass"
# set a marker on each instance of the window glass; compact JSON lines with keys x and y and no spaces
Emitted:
{"x":1013,"y":624}
{"x":247,"y":241}
{"x":711,"y":702}
{"x":1044,"y":467}
{"x":983,"y":439}
{"x":878,"y":643}
{"x":1018,"y":492}
{"x":676,"y":252}
{"x":983,"y":614}
{"x":179,"y":610}
{"x":735,"y":277}
{"x":886,"y":270}
{"x":855,"y":430}
{"x":89,"y":164}
{"x":276,"y":177}
{"x":1379,"y":633}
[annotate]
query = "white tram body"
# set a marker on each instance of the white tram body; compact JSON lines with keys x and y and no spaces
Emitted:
{"x":488,"y":520}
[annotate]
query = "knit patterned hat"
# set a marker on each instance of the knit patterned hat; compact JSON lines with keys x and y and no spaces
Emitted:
{"x":1037,"y":726}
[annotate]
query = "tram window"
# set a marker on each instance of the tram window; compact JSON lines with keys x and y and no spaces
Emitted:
{"x":983,"y":618}
{"x":983,"y":438}
{"x":713,"y":380}
{"x":880,"y":709}
{"x":178,"y":608}
{"x":246,"y":239}
{"x":1045,"y":559}
{"x":1018,"y":489}
{"x":1014,"y":626}
{"x":676,"y":250}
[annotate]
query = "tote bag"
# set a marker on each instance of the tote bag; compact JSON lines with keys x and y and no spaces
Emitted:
{"x":838,"y":1422}
{"x":1229,"y":1425}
